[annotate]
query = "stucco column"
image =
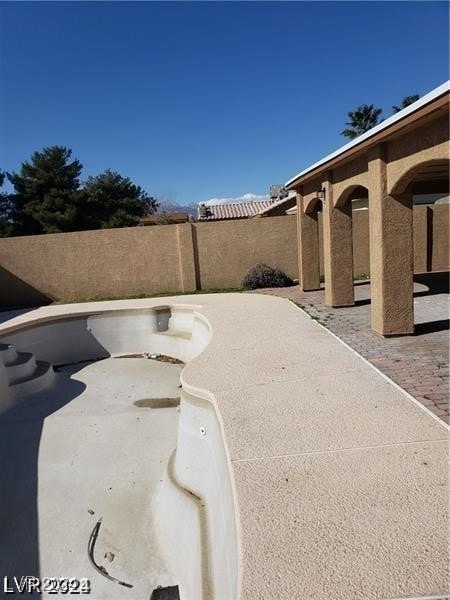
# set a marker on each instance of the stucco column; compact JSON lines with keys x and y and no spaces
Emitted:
{"x":391,"y":253}
{"x":308,"y":247}
{"x":337,"y":250}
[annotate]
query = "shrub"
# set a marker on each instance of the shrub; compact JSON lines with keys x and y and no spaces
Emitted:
{"x":263,"y":276}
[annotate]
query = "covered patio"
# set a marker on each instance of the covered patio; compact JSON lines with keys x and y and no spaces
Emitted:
{"x":405,"y":156}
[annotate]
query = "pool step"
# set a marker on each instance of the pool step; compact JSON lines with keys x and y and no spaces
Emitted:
{"x":22,"y":367}
{"x":24,"y":374}
{"x":42,"y":377}
{"x":7,"y":353}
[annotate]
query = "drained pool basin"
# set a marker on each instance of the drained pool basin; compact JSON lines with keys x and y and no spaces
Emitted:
{"x":115,"y":468}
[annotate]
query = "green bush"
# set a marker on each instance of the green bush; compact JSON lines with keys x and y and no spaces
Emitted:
{"x":263,"y":276}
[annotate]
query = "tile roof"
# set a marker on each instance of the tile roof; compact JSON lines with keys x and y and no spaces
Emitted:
{"x":236,"y":210}
{"x":277,"y":203}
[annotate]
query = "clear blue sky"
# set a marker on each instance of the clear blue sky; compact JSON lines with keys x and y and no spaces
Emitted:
{"x":201,"y":100}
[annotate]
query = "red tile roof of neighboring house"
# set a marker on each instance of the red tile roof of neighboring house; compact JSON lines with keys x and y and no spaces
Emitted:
{"x":237,"y":210}
{"x":290,"y":200}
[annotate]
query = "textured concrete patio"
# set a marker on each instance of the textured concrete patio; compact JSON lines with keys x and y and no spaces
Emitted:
{"x":420,"y":363}
{"x":340,"y":477}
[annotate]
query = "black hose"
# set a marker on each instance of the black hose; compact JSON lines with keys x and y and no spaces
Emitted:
{"x":99,"y":568}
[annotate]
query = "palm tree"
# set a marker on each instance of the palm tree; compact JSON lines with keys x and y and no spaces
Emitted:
{"x":407,"y":100}
{"x":362,"y":119}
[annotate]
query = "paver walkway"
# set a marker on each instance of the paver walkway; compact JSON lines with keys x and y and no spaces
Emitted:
{"x":419,"y":363}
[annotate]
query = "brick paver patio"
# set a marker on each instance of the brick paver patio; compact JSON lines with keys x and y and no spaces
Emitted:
{"x":419,"y":363}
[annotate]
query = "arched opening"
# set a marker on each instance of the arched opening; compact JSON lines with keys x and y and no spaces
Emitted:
{"x":348,"y":237}
{"x":424,"y":188}
{"x":428,"y":177}
{"x":309,"y":243}
{"x":314,"y":206}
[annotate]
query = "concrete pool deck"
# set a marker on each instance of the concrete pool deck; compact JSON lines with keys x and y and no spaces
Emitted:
{"x":340,"y":476}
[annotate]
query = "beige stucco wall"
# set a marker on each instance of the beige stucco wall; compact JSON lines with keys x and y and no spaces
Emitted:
{"x":148,"y":260}
{"x":431,"y":240}
{"x":440,"y":250}
{"x":106,"y":263}
{"x":361,"y":243}
{"x":361,"y":259}
{"x":309,"y":192}
{"x":347,"y":176}
{"x":142,"y":260}
{"x":227,"y":249}
{"x":427,"y":143}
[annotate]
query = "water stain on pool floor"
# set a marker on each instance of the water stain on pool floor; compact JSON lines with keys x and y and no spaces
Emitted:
{"x":157,"y":402}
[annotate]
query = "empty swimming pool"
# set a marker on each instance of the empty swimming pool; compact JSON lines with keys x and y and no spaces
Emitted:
{"x":92,"y":412}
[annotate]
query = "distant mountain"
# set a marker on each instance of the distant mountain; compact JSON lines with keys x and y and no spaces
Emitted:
{"x":190,"y":209}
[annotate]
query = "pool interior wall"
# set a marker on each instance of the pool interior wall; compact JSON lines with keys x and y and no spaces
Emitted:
{"x":193,"y":512}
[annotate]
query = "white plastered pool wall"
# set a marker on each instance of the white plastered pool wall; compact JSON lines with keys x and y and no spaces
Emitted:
{"x":194,"y":514}
{"x":339,"y":485}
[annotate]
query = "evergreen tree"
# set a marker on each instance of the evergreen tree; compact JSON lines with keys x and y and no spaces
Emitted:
{"x":46,"y":193}
{"x":111,"y":200}
{"x":48,"y":198}
{"x":361,"y":120}
{"x":6,"y":210}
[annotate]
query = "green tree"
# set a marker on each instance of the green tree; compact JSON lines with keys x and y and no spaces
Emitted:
{"x":407,"y":100}
{"x":48,"y":198}
{"x":6,"y":210}
{"x":361,"y":120}
{"x":46,"y":193}
{"x":111,"y":200}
